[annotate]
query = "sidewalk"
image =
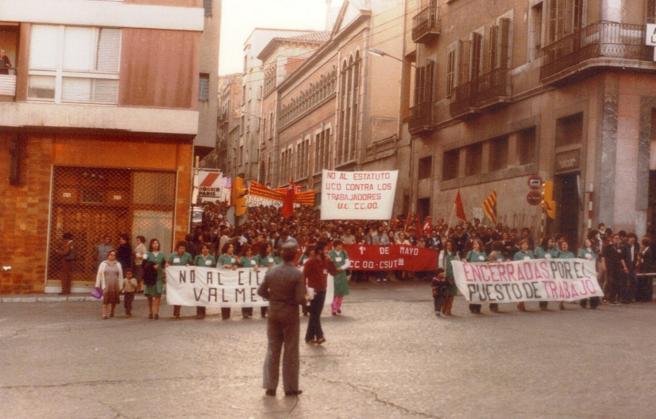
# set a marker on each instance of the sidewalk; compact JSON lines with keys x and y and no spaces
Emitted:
{"x":53,"y":298}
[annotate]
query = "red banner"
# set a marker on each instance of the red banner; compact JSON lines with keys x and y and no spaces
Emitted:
{"x":391,"y":258}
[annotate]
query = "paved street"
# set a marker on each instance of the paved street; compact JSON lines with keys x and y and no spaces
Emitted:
{"x":388,"y":356}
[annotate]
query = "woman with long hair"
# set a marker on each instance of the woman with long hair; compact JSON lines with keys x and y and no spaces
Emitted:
{"x":154,"y":277}
{"x":227,"y":260}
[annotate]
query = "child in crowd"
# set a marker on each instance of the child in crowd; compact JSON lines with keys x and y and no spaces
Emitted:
{"x":129,"y":288}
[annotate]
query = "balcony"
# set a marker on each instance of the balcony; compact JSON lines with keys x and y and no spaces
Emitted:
{"x":7,"y":87}
{"x":421,"y":118}
{"x":600,"y":44}
{"x":483,"y":92}
{"x":425,"y":25}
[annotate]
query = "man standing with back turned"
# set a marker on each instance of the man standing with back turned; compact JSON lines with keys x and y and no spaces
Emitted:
{"x":284,"y":287}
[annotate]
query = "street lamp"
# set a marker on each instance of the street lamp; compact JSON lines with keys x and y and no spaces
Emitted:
{"x":380,"y":53}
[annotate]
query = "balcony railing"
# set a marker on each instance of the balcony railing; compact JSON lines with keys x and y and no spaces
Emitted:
{"x":425,"y":25}
{"x":484,"y":91}
{"x":421,"y":118}
{"x":7,"y":85}
{"x":612,"y":40}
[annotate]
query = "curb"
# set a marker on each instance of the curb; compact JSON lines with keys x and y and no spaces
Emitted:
{"x":54,"y":299}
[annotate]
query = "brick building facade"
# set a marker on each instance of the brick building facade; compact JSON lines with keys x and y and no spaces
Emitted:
{"x":96,"y":133}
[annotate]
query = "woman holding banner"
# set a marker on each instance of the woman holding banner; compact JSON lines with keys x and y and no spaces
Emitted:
{"x":247,"y":260}
{"x":448,"y":255}
{"x":524,"y":253}
{"x":180,"y":258}
{"x":564,"y":254}
{"x":207,"y":260}
{"x":266,"y":259}
{"x":476,"y":255}
{"x":227,"y":260}
{"x":548,"y":249}
{"x":587,"y":252}
{"x":339,"y":257}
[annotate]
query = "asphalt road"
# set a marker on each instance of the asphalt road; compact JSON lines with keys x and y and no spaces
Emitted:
{"x":387,"y":356}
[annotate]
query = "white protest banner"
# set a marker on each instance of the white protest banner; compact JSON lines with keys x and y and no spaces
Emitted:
{"x":357,"y":195}
{"x":214,"y":287}
{"x":527,"y":280}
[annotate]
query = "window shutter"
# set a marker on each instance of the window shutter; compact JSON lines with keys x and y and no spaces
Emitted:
{"x":491,"y":49}
{"x":430,"y":75}
{"x":504,"y":43}
{"x":450,"y":76}
{"x":109,"y":50}
{"x":463,"y":64}
{"x":477,"y":44}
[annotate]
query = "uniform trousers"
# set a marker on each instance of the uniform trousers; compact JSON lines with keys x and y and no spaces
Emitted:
{"x":283,"y":332}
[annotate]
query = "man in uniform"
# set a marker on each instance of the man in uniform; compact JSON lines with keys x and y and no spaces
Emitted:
{"x":284,"y":287}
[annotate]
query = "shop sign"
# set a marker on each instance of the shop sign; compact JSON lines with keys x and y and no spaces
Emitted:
{"x":568,"y":160}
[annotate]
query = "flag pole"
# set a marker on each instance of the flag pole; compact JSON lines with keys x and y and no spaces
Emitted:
{"x":453,"y":207}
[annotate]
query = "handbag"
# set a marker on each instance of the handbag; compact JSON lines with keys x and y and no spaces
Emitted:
{"x":97,"y":293}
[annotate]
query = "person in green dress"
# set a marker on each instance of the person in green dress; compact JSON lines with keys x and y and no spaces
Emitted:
{"x":180,"y":258}
{"x":227,"y":260}
{"x":448,"y":255}
{"x":154,"y":277}
{"x":341,"y":261}
{"x":207,"y":260}
{"x":476,"y":255}
{"x":524,"y":253}
{"x":266,"y":259}
{"x":247,"y":260}
{"x":587,"y":252}
{"x":564,"y":254}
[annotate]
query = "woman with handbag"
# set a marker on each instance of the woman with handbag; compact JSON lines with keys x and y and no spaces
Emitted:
{"x":154,"y":278}
{"x":110,"y":279}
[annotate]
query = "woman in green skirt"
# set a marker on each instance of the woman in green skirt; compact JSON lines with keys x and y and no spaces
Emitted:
{"x":340,"y":258}
{"x":154,"y":278}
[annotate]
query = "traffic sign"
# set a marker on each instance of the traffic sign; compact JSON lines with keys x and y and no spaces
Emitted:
{"x":534,"y":198}
{"x":650,"y":35}
{"x":535,"y":182}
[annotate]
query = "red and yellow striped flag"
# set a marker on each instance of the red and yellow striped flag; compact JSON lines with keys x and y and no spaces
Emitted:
{"x":490,"y":207}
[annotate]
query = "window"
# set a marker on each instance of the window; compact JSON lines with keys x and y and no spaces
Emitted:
{"x":74,"y":64}
{"x":569,"y":130}
{"x":498,"y":153}
{"x":650,"y":12}
{"x":473,"y":159}
{"x":451,"y":164}
{"x":423,"y":208}
{"x":204,"y":87}
{"x":476,"y":54}
{"x":565,"y":16}
{"x":526,"y":146}
{"x":242,"y":125}
{"x":425,"y":169}
{"x":450,"y":73}
{"x":207,"y":5}
{"x":536,"y":30}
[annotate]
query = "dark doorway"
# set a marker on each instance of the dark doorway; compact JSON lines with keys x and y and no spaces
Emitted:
{"x":423,"y":208}
{"x":651,"y":208}
{"x":566,"y":189}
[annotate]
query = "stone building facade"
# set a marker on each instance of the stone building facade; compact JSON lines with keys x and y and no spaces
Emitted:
{"x":339,"y":110}
{"x":555,"y":88}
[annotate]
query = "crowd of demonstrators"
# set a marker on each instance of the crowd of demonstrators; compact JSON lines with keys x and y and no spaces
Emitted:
{"x":622,"y":261}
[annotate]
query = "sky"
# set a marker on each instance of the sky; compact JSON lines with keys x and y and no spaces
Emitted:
{"x":240,"y":17}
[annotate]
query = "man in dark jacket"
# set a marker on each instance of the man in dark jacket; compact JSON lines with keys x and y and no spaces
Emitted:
{"x":284,"y":287}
